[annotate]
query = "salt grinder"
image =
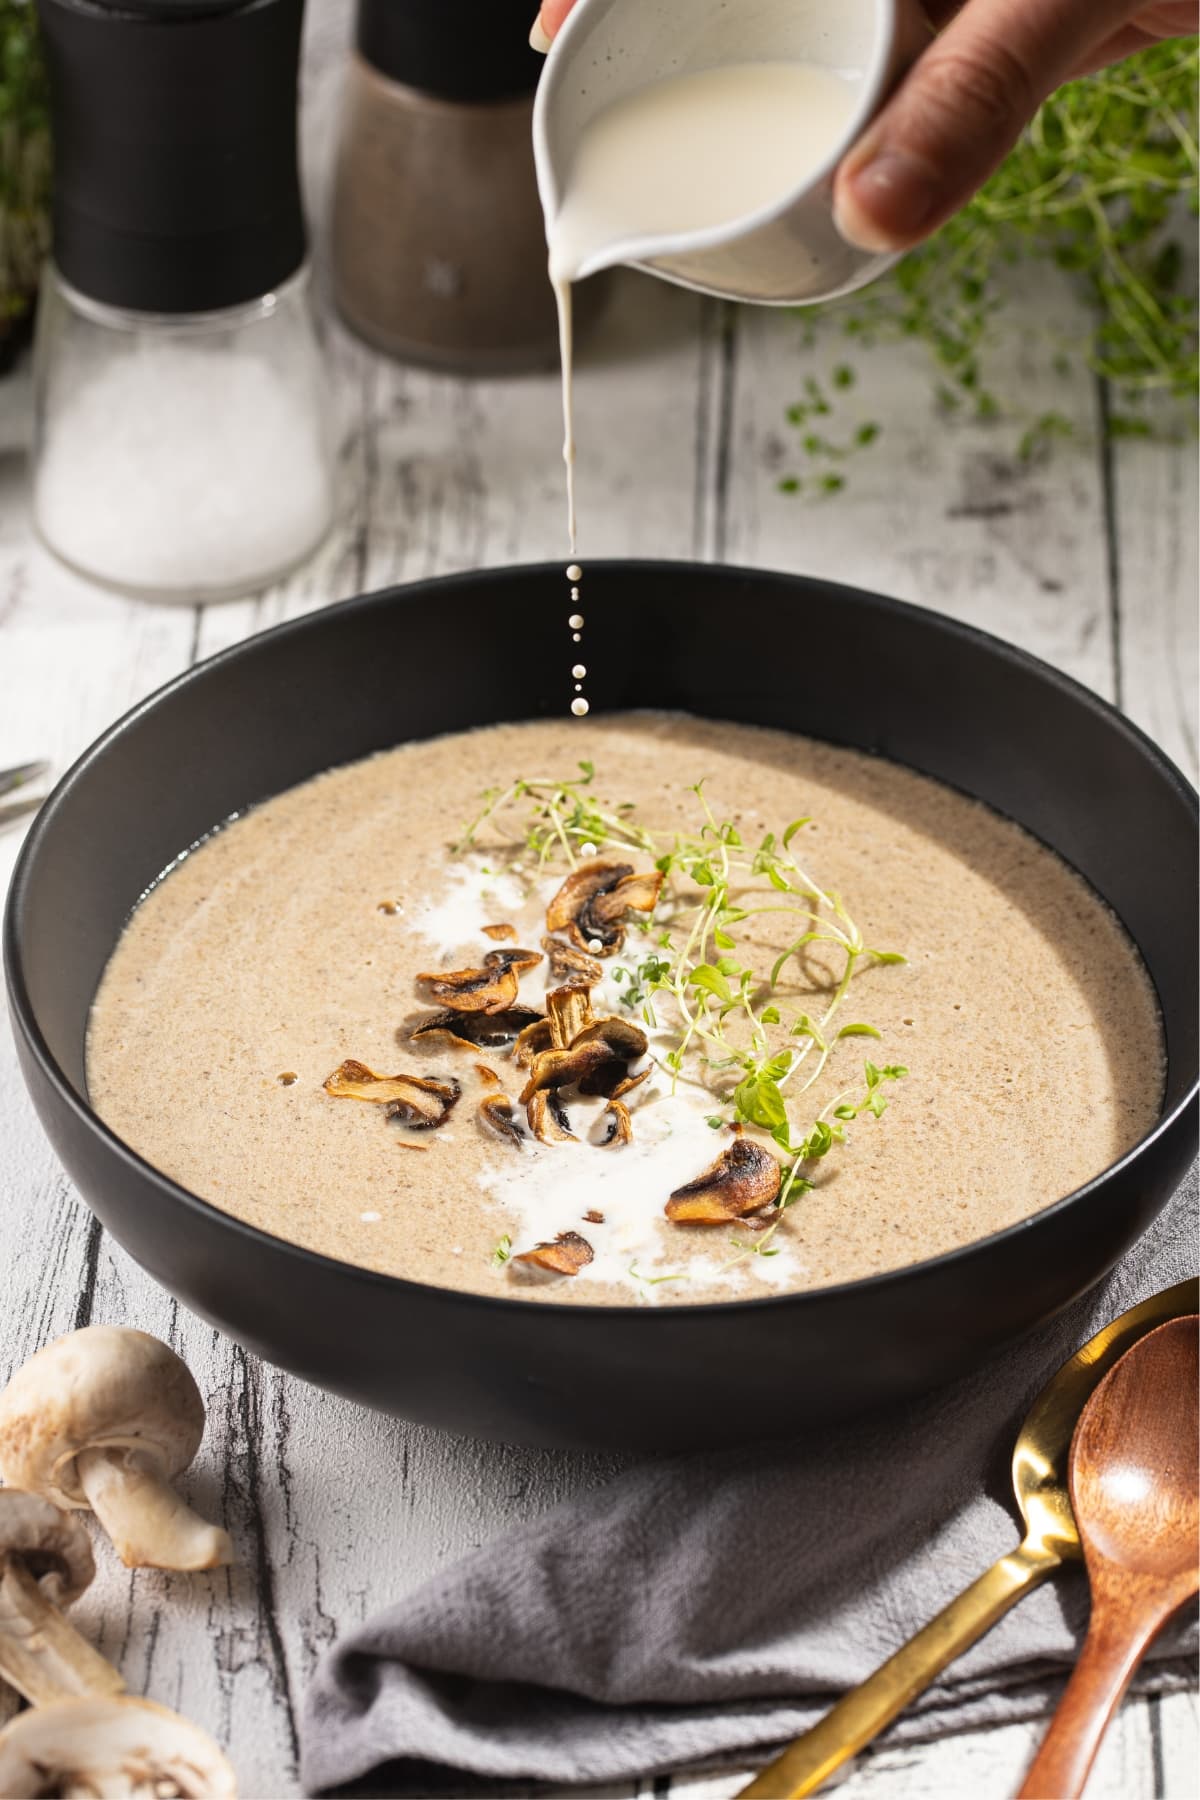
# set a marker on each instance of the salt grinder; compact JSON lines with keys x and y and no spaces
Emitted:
{"x":182,"y":447}
{"x":439,"y":249}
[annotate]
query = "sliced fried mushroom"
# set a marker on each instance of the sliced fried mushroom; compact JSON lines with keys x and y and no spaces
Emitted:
{"x":633,"y":893}
{"x":592,"y":902}
{"x":477,"y":1030}
{"x":531,"y":1043}
{"x":566,"y":1068}
{"x":744,"y":1178}
{"x":630,"y":1082}
{"x":355,"y":1081}
{"x":624,"y":1043}
{"x":548,"y":1119}
{"x":495,"y":1116}
{"x":503,"y":934}
{"x":121,"y":1748}
{"x":488,"y":1076}
{"x":570,"y":1012}
{"x":620,"y":1129}
{"x":491,"y":989}
{"x":569,"y":964}
{"x":624,"y":1039}
{"x":418,"y":1101}
{"x":45,"y":1563}
{"x":426,"y":1105}
{"x":605,"y":1079}
{"x":104,"y":1418}
{"x":596,"y":1061}
{"x":565,"y":1256}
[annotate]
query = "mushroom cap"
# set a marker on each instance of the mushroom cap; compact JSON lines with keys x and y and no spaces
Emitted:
{"x":593,"y":901}
{"x":565,"y":1256}
{"x":154,"y":1750}
{"x":743,"y":1179}
{"x":52,"y":1545}
{"x":105,"y":1387}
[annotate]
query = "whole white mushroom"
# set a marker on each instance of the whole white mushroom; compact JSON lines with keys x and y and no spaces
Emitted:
{"x":117,"y":1749}
{"x":104,"y":1418}
{"x":45,"y":1563}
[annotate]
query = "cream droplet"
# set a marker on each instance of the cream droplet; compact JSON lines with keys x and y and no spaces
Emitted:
{"x":579,"y":707}
{"x":576,"y":621}
{"x":579,"y":687}
{"x":370,"y":1218}
{"x":574,"y":572}
{"x":595,"y":946}
{"x":587,"y":849}
{"x":576,"y":636}
{"x":579,"y":671}
{"x":575,"y":595}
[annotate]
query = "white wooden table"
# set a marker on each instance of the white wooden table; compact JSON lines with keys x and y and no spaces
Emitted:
{"x":1088,"y":561}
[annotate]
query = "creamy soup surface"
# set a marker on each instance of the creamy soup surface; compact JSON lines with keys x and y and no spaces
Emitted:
{"x":291,"y":942}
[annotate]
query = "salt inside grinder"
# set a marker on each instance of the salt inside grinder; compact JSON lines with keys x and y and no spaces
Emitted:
{"x":182,"y":443}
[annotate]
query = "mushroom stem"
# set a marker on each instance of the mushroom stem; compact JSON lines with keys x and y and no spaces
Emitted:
{"x":150,"y":1526}
{"x":41,"y":1653}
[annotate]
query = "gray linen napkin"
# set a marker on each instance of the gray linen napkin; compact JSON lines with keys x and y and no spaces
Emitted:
{"x":704,"y":1607}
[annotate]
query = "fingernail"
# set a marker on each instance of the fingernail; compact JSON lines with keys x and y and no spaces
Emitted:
{"x":887,"y":203}
{"x":537,"y":37}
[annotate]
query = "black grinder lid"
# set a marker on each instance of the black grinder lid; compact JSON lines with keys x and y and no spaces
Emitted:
{"x":472,"y":51}
{"x":176,"y":180}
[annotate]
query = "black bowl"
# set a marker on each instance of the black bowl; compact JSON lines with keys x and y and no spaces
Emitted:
{"x":475,"y":649}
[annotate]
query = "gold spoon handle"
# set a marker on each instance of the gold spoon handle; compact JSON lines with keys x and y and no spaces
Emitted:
{"x":861,"y":1714}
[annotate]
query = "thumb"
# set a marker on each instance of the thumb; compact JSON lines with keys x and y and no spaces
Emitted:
{"x":549,"y":22}
{"x":958,"y":112}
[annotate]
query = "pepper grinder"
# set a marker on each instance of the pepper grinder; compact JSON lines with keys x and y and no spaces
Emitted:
{"x":439,"y":248}
{"x":182,"y":444}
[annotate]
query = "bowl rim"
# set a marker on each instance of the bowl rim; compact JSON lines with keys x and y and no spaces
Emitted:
{"x":25,"y":1019}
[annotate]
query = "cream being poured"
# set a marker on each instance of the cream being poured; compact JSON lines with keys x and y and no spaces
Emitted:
{"x":695,"y":152}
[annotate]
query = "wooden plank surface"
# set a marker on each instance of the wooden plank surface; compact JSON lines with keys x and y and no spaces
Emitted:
{"x":1088,"y":560}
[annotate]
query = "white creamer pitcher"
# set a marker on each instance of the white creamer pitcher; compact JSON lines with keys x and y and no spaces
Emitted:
{"x":787,"y":253}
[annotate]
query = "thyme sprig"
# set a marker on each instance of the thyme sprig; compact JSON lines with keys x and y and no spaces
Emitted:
{"x":702,"y":982}
{"x":503,"y":1252}
{"x":1104,"y":184}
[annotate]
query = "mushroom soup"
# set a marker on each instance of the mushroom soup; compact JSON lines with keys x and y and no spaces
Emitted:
{"x":717,"y":1013}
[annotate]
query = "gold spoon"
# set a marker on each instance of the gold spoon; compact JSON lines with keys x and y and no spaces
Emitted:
{"x":1040,"y":1485}
{"x":1136,"y":1494}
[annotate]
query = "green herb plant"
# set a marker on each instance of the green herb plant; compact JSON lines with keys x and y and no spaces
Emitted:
{"x":1102,"y":183}
{"x":719,"y":1009}
{"x":24,"y":167}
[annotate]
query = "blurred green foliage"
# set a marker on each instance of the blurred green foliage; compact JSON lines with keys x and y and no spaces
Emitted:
{"x":25,"y":169}
{"x":1103,"y":184}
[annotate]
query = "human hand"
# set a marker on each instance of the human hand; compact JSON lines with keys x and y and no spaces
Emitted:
{"x":548,"y":23}
{"x":962,"y":106}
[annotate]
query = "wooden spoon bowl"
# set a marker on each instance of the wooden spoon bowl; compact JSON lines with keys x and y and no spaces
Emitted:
{"x":1135,"y":1489}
